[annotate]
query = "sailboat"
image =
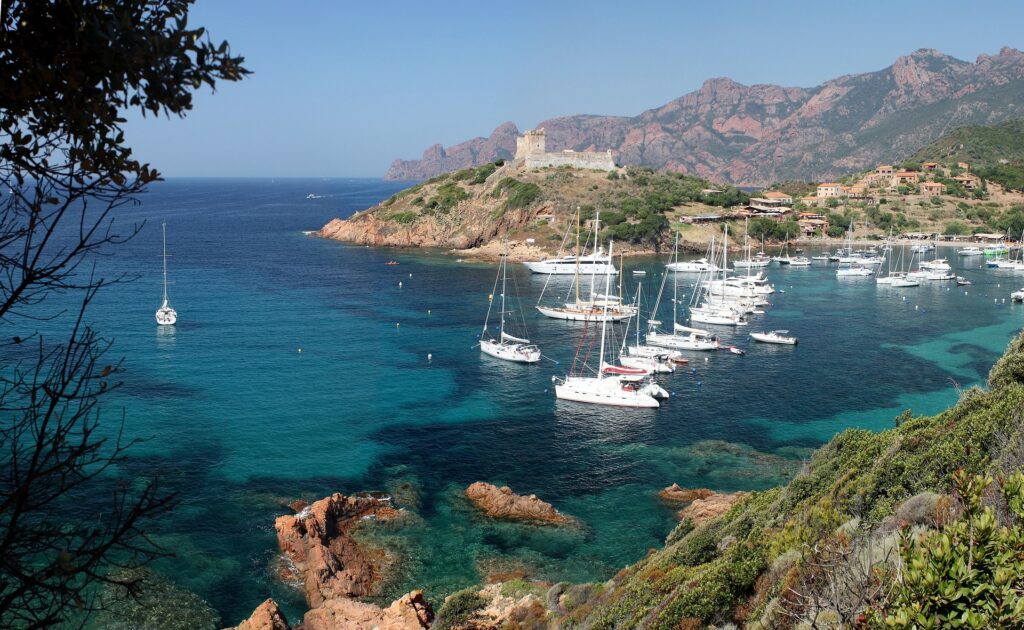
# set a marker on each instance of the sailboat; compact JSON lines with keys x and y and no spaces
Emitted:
{"x":601,"y":389}
{"x":649,"y":358}
{"x":715,"y":309}
{"x":165,"y":315}
{"x":597,"y":308}
{"x":856,"y":264}
{"x":506,"y":346}
{"x":681,"y":337}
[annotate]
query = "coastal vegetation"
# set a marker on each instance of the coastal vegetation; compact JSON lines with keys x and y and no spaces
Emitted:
{"x":994,"y":152}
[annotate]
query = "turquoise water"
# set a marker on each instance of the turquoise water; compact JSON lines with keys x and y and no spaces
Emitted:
{"x":239,"y":421}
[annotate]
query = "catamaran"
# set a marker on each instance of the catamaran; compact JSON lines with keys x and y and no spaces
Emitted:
{"x":165,"y":315}
{"x":505,"y":346}
{"x":601,"y":389}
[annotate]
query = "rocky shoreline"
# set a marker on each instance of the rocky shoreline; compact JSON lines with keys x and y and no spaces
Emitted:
{"x":323,"y":555}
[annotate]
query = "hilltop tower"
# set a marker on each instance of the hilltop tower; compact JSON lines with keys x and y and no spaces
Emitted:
{"x":530,"y":143}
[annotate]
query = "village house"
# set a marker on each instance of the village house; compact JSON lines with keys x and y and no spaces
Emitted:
{"x":905,"y":177}
{"x":930,"y":166}
{"x":812,"y":223}
{"x":771,"y":202}
{"x":932,"y":189}
{"x":857,"y":191}
{"x":968,"y":181}
{"x":829,"y":189}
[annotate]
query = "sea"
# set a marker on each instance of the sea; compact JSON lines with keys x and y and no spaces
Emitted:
{"x":301,"y":366}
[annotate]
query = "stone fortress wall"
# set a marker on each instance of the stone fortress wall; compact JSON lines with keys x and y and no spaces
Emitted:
{"x":531,"y":150}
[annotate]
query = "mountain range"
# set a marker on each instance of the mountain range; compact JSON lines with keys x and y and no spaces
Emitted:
{"x":753,"y":135}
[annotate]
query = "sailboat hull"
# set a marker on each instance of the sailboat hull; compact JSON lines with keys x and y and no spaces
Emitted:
{"x":584,"y":314}
{"x":515,"y":352}
{"x":604,"y":391}
{"x":166,"y":316}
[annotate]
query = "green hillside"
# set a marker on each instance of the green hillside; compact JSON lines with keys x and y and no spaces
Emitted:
{"x":824,"y":550}
{"x":995,"y":152}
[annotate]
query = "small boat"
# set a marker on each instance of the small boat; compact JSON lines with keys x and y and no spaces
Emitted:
{"x":905,"y":282}
{"x":165,"y":315}
{"x":1017,"y":296}
{"x":692,"y":266}
{"x":971,"y":251}
{"x":624,"y":370}
{"x":639,"y":272}
{"x":735,"y":350}
{"x":820,"y":257}
{"x":391,"y":262}
{"x":680,"y":361}
{"x":799,"y":261}
{"x":506,"y":346}
{"x":962,"y":281}
{"x":780,"y":337}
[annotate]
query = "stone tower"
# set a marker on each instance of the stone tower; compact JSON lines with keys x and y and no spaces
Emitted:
{"x":530,"y":143}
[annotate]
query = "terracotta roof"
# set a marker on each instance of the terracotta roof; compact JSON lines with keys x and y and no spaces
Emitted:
{"x":827,"y":184}
{"x":774,"y":194}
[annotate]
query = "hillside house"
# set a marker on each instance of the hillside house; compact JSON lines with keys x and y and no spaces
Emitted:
{"x":905,"y":178}
{"x":932,"y":189}
{"x":930,"y":166}
{"x":829,"y":190}
{"x":968,"y":181}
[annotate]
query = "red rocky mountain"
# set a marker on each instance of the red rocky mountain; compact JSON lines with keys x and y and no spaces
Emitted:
{"x":757,"y":134}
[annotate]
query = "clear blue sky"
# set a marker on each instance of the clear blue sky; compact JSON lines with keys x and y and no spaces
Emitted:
{"x":342,"y":88}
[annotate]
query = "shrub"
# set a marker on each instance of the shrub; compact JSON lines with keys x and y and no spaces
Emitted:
{"x":405,"y":217}
{"x":458,"y":608}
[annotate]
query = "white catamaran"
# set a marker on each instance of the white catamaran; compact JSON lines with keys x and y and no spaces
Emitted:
{"x":506,"y":346}
{"x":165,"y":315}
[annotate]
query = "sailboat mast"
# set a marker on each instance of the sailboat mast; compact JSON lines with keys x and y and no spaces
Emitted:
{"x":165,"y":261}
{"x":604,"y":320}
{"x":504,"y":273}
{"x":578,"y":255}
{"x":597,"y":250}
{"x":675,"y":285}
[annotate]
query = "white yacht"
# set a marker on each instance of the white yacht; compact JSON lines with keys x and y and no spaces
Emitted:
{"x":970,"y":251}
{"x":781,"y":337}
{"x":700,"y":265}
{"x":595,"y":263}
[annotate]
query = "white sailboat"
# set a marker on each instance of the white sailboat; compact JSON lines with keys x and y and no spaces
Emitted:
{"x":165,"y":315}
{"x":598,"y":308}
{"x":506,"y":346}
{"x":602,"y":389}
{"x":716,"y":310}
{"x":681,"y":337}
{"x":856,"y":266}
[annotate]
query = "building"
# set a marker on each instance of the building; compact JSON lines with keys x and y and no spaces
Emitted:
{"x":531,"y":151}
{"x":932,"y":189}
{"x":968,"y":181}
{"x":857,"y":191}
{"x":812,"y":223}
{"x":905,"y":177}
{"x":884,"y":170}
{"x":771,"y":201}
{"x":930,"y":166}
{"x":829,"y":190}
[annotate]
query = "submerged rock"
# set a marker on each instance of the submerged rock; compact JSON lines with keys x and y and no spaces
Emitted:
{"x":676,"y":494}
{"x":503,"y":503}
{"x":710,"y":507}
{"x":267,"y":616}
{"x":409,"y":612}
{"x":322,"y":553}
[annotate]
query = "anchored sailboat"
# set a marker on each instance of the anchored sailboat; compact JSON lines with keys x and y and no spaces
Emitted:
{"x":506,"y":346}
{"x":601,"y":389}
{"x":165,"y":315}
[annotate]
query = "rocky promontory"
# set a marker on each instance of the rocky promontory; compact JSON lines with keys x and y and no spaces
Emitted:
{"x":473,"y":211}
{"x":503,"y":503}
{"x":324,"y":556}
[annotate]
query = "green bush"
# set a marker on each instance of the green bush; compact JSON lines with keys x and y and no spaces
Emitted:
{"x":405,"y":217}
{"x":956,"y":228}
{"x":458,"y":608}
{"x":968,"y":575}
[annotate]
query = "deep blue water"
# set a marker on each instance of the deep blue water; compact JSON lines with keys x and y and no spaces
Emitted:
{"x":239,"y":421}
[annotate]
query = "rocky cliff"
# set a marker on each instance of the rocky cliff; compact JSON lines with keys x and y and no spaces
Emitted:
{"x":758,"y":134}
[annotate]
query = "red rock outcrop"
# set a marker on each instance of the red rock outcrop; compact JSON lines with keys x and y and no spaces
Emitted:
{"x":676,"y":494}
{"x":710,"y":507}
{"x":503,"y":503}
{"x":757,"y":134}
{"x":267,"y":616}
{"x":409,"y":612}
{"x":323,"y":554}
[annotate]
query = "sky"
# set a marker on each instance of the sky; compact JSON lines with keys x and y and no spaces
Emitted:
{"x":340,"y":89}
